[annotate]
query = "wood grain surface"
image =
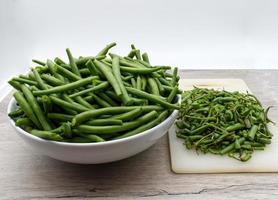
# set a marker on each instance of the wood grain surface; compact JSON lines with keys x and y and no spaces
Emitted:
{"x":25,"y":175}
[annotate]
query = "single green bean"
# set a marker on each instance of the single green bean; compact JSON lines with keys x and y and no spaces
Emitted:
{"x":66,"y":87}
{"x":98,"y":87}
{"x":24,"y":122}
{"x":117,"y":74}
{"x":153,"y":86}
{"x":253,"y":132}
{"x":140,"y":70}
{"x":38,"y":62}
{"x":46,"y":135}
{"x":105,"y":50}
{"x":115,"y":129}
{"x":102,"y":122}
{"x":152,"y":98}
{"x":145,"y":57}
{"x":72,"y":63}
{"x":59,"y":117}
{"x":27,"y":81}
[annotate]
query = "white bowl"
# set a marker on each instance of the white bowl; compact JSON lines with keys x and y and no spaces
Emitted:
{"x":94,"y":153}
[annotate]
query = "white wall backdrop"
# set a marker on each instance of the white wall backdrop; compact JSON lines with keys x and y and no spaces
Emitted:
{"x":191,"y":34}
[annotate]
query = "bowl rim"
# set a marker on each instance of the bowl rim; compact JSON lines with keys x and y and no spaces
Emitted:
{"x":122,"y":140}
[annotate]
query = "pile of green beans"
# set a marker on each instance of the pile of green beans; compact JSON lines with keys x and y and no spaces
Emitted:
{"x":223,"y":123}
{"x":94,"y":98}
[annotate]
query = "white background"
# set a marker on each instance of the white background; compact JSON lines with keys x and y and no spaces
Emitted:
{"x":190,"y":34}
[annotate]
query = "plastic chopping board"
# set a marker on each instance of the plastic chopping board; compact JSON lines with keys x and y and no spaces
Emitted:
{"x":188,"y":161}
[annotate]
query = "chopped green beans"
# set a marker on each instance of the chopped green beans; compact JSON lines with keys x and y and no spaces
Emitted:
{"x":96,"y":98}
{"x":224,"y":122}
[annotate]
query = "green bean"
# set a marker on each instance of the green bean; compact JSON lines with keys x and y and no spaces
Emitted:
{"x":145,"y":127}
{"x":38,"y":62}
{"x":101,"y":122}
{"x":264,"y":140}
{"x":17,"y":113}
{"x":59,"y":117}
{"x":109,"y":75}
{"x":145,"y":57}
{"x":98,"y":87}
{"x":83,"y":102}
{"x":36,"y":108}
{"x":26,"y":108}
{"x":138,"y":54}
{"x":16,"y":85}
{"x":84,"y":60}
{"x":73,"y":106}
{"x":152,"y":98}
{"x":100,"y":101}
{"x":40,"y":82}
{"x":128,"y":116}
{"x":46,"y":135}
{"x":52,"y":80}
{"x":59,"y":61}
{"x":66,"y":73}
{"x":131,"y":53}
{"x":245,"y":157}
{"x":66,"y":87}
{"x":52,"y":68}
{"x":85,"y":72}
{"x":144,"y":83}
{"x":27,"y":81}
{"x":172,"y":95}
{"x":67,"y":132}
{"x":108,"y":99}
{"x":72,"y":63}
{"x":223,"y":99}
{"x":164,"y":81}
{"x":140,"y":70}
{"x":24,"y":122}
{"x":47,"y":104}
{"x":174,"y":79}
{"x":105,"y":50}
{"x":94,"y":71}
{"x":235,"y":127}
{"x":117,"y":74}
{"x":153,"y":86}
{"x":133,"y":83}
{"x":115,"y":129}
{"x":84,"y":116}
{"x":113,"y":95}
{"x":253,"y":132}
{"x":231,"y":146}
{"x":138,"y":83}
{"x":131,"y":64}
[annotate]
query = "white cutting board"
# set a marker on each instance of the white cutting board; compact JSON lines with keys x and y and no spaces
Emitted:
{"x":188,"y":161}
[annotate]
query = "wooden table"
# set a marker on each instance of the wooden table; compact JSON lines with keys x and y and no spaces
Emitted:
{"x":24,"y":175}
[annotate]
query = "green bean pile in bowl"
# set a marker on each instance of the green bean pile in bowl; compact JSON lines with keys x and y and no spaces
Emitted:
{"x":94,"y":98}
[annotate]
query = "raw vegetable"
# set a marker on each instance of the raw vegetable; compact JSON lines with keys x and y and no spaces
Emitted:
{"x":222,"y":122}
{"x":94,"y":98}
